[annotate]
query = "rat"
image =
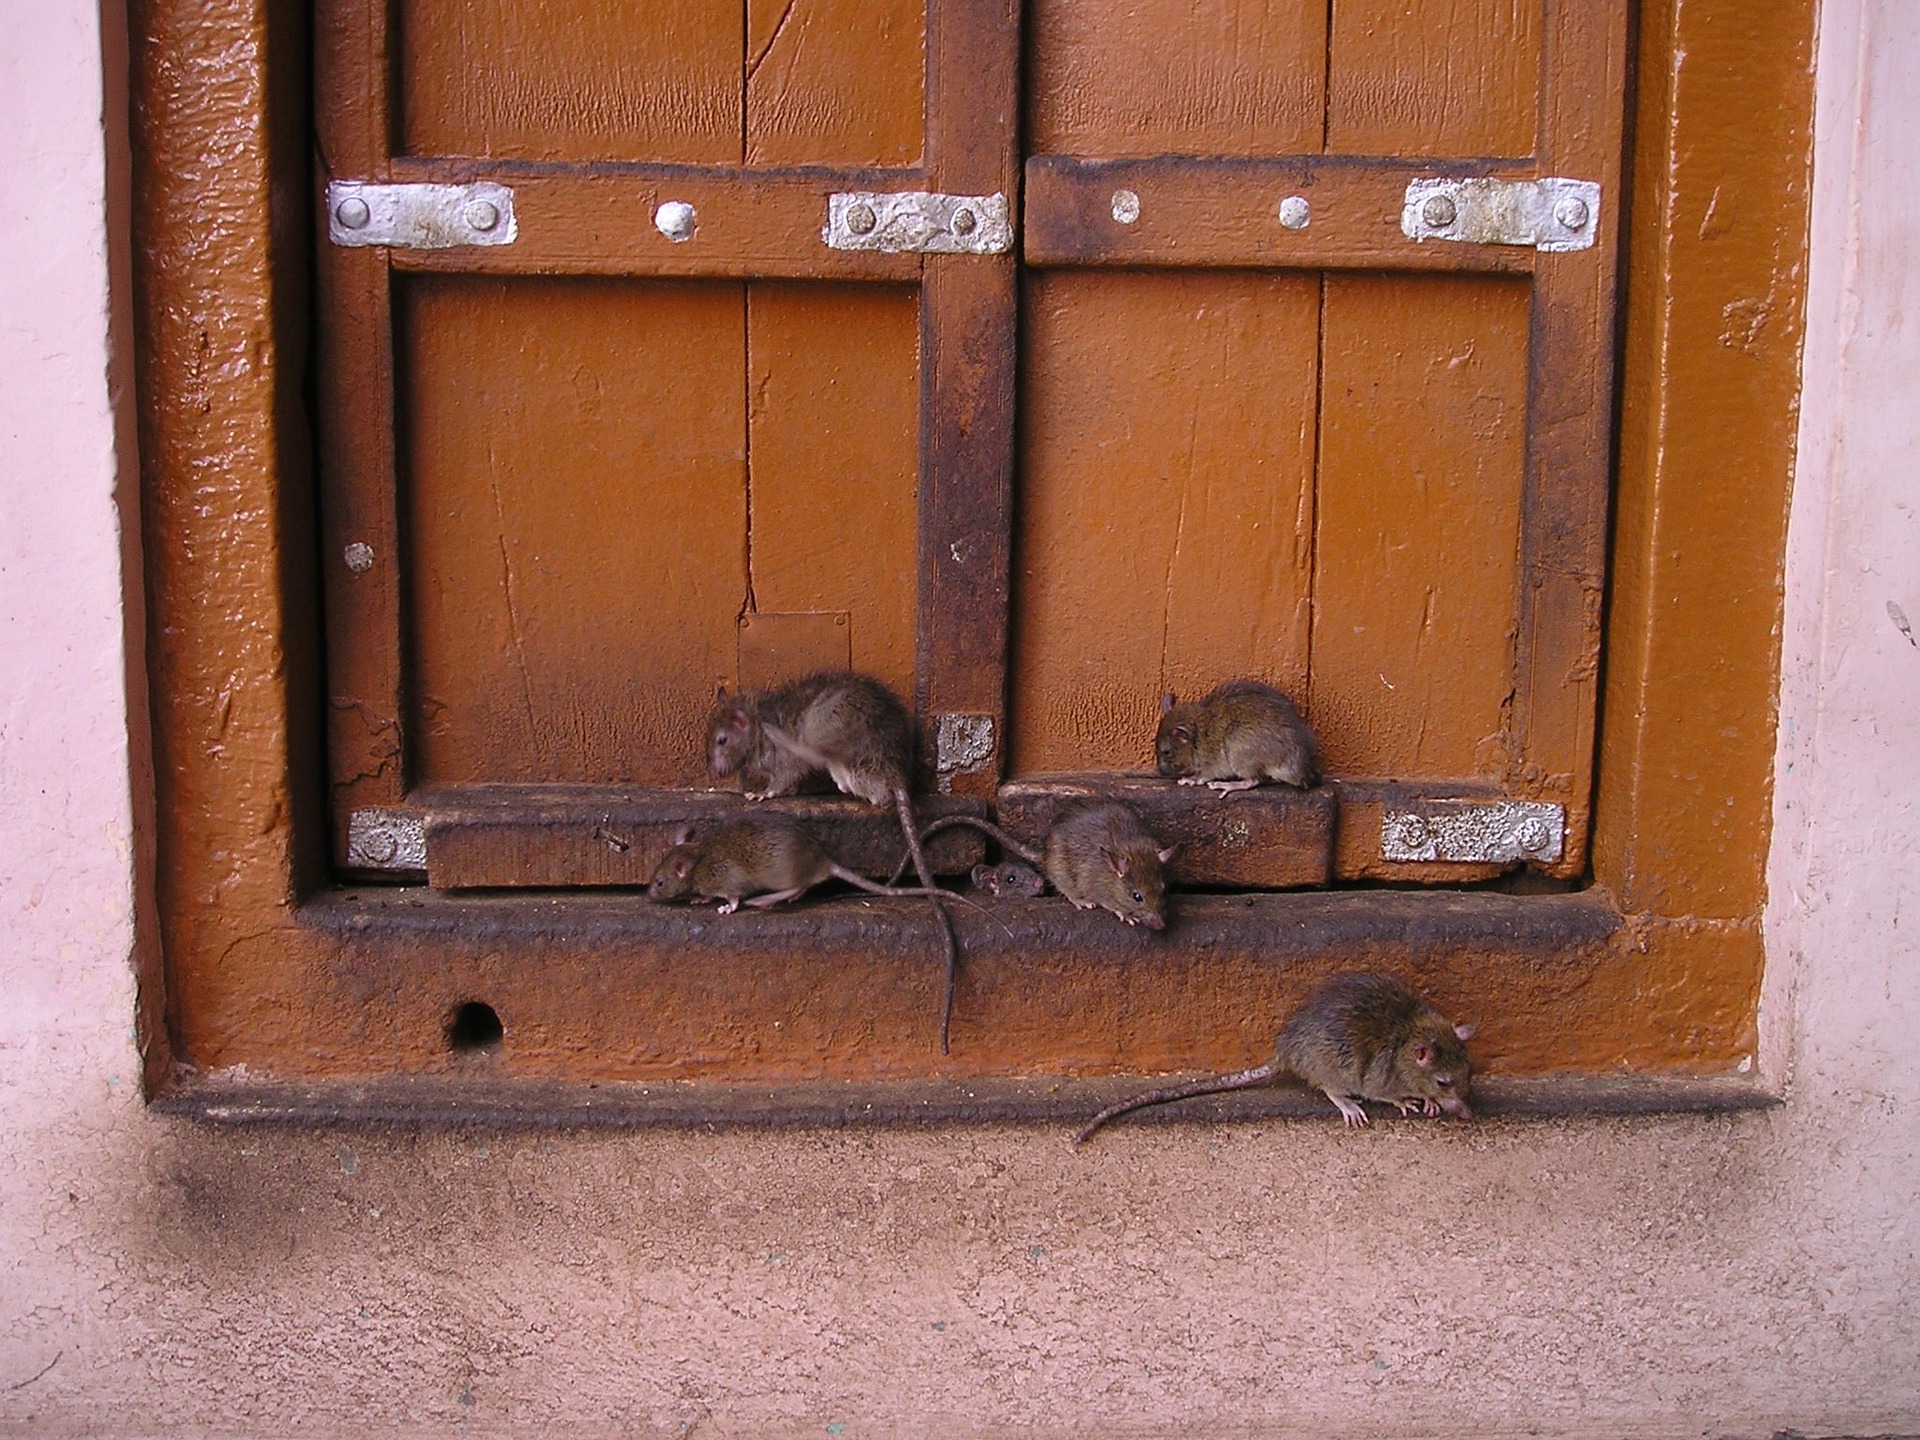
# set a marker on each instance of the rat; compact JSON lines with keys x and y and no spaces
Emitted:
{"x":1356,"y":1037}
{"x":849,"y":725}
{"x":1010,"y":879}
{"x":1098,"y":855}
{"x":1244,"y":732}
{"x":759,"y":860}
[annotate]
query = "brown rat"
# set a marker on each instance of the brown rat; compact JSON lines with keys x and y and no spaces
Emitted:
{"x":844,"y":723}
{"x":1242,"y":733}
{"x":1356,"y":1037}
{"x":1099,"y":854}
{"x":1010,"y":879}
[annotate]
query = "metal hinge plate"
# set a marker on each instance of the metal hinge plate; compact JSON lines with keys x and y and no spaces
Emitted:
{"x":917,"y":221}
{"x":1549,"y":214}
{"x":380,"y":838}
{"x":420,"y":217}
{"x":1496,"y":832}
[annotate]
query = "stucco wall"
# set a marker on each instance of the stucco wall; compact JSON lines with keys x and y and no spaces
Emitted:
{"x":1716,"y":1276}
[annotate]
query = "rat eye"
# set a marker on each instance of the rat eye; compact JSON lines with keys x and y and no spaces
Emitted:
{"x":1138,"y":898}
{"x":1445,"y":1081}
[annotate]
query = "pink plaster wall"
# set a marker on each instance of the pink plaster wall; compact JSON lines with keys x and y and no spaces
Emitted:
{"x":1692,"y":1276}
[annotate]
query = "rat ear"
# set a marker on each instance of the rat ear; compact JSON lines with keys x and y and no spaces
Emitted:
{"x":1422,"y":1053}
{"x":719,"y":691}
{"x":1166,"y":702}
{"x":1168,"y":853}
{"x":683,"y":835}
{"x":1183,"y":732}
{"x":1467,"y":1031}
{"x":982,"y":874}
{"x":682,"y":866}
{"x":1116,"y":859}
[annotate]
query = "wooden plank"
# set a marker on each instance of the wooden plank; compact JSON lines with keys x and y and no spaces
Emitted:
{"x":1422,"y":460}
{"x":576,"y":517}
{"x":1166,"y":520}
{"x":1269,"y":838}
{"x":967,"y":317}
{"x":1217,"y":213}
{"x":599,"y":221}
{"x":497,"y":836}
{"x":1176,"y":77}
{"x":1435,"y":77}
{"x":573,"y":79}
{"x":360,"y":546}
{"x":836,"y":82}
{"x":1570,"y":432}
{"x":833,"y":504}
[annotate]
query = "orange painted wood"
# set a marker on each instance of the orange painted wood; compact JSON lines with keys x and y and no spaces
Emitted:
{"x":1422,"y":461}
{"x":1162,"y":77}
{"x":576,"y":515}
{"x":1166,"y":519}
{"x":1269,"y":838}
{"x":1436,"y":77}
{"x":1225,"y":213}
{"x":836,"y":82}
{"x":574,"y":221}
{"x":833,"y":504}
{"x":572,"y":80}
{"x":495,"y":836}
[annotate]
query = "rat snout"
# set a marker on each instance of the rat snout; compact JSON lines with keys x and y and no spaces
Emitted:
{"x":1455,"y":1105}
{"x":1153,"y":922}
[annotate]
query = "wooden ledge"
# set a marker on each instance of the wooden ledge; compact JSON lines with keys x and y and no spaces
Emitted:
{"x":484,"y":1102}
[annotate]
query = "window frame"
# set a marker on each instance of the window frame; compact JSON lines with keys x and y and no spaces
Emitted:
{"x":310,"y":988}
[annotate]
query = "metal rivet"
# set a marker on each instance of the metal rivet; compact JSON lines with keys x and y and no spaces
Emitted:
{"x":1439,"y":212}
{"x":675,"y":220}
{"x":1295,"y":212}
{"x":1126,"y":206}
{"x":1414,"y":833}
{"x":352,"y":213}
{"x":963,"y":222}
{"x":1534,"y":836}
{"x":381,"y":847}
{"x":860,"y":219}
{"x":359,"y":557}
{"x":1572,"y":213}
{"x":483,"y":215}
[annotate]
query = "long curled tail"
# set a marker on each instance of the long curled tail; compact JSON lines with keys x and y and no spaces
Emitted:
{"x":1213,"y":1085}
{"x":904,"y":804}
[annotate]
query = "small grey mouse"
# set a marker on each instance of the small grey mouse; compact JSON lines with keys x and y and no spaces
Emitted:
{"x":844,"y":723}
{"x":1242,"y":733}
{"x":1357,"y":1037}
{"x":1010,"y":879}
{"x":1099,"y":854}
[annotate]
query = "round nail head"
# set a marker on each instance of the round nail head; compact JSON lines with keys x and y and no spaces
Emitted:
{"x":1126,"y":206}
{"x":483,"y":215}
{"x":1295,"y":213}
{"x":675,"y":220}
{"x":861,"y":219}
{"x":1438,"y":212}
{"x":358,"y":557}
{"x":963,"y":222}
{"x":1572,"y":213}
{"x":352,"y":213}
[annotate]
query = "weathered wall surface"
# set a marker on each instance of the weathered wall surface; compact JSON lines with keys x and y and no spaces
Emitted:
{"x":1718,"y":1276}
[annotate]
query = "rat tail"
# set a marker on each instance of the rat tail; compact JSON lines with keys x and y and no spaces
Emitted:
{"x":950,"y":942}
{"x":1213,"y":1085}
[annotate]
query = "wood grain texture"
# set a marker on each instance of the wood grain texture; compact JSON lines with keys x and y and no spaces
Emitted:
{"x":1225,"y":213}
{"x":1166,"y":520}
{"x":573,"y":79}
{"x":1191,"y":77}
{"x":836,"y":82}
{"x":1434,"y":77}
{"x":497,"y":836}
{"x":1269,"y":838}
{"x":834,"y":417}
{"x":1422,"y":456}
{"x":576,"y":514}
